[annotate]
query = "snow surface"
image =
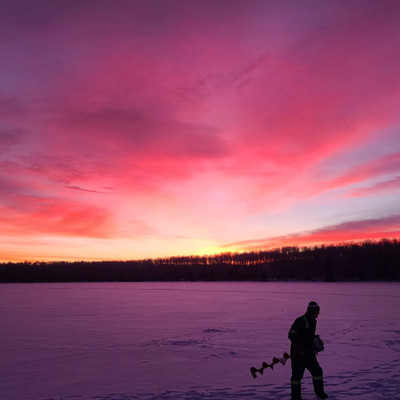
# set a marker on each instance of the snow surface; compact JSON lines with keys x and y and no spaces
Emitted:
{"x":189,"y":341}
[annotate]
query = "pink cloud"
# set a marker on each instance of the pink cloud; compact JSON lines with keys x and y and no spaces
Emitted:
{"x":377,"y":189}
{"x":57,"y":217}
{"x":376,"y":168}
{"x":378,"y":228}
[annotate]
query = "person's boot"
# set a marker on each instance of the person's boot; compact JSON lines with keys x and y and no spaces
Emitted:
{"x":296,"y":391}
{"x":319,"y":388}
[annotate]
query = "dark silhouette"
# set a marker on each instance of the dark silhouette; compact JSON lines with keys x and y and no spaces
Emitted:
{"x":264,"y":365}
{"x":364,"y":261}
{"x":305,"y":344}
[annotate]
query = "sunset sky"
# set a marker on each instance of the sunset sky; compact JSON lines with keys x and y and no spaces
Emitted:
{"x":149,"y":128}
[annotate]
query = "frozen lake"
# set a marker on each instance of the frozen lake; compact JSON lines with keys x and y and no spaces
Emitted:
{"x":120,"y":341}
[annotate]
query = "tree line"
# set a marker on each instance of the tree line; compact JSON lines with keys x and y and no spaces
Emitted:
{"x":364,"y":261}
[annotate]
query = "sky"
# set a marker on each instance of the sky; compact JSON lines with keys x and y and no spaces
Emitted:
{"x":150,"y":128}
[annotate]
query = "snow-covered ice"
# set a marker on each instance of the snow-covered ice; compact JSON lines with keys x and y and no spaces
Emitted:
{"x":189,"y":341}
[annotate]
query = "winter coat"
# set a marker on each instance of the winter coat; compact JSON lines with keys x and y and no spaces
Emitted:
{"x":301,"y":335}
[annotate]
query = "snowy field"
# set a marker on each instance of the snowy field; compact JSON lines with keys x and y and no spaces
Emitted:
{"x":190,"y":341}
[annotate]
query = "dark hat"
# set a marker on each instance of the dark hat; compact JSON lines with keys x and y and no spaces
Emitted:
{"x":313,"y":306}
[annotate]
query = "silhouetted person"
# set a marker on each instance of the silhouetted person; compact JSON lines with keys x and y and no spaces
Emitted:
{"x":305,"y":344}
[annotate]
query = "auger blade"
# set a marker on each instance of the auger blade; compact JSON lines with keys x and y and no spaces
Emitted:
{"x":283,"y":360}
{"x":253,"y":371}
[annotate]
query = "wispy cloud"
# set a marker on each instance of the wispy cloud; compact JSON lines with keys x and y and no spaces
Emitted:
{"x":88,"y":190}
{"x":54,"y":217}
{"x":385,"y":187}
{"x":377,"y":168}
{"x":385,"y":227}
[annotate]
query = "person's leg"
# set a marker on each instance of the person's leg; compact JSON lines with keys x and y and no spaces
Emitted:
{"x":317,"y":376}
{"x":298,"y":367}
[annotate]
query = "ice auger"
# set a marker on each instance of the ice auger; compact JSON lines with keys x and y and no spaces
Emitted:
{"x":264,"y":365}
